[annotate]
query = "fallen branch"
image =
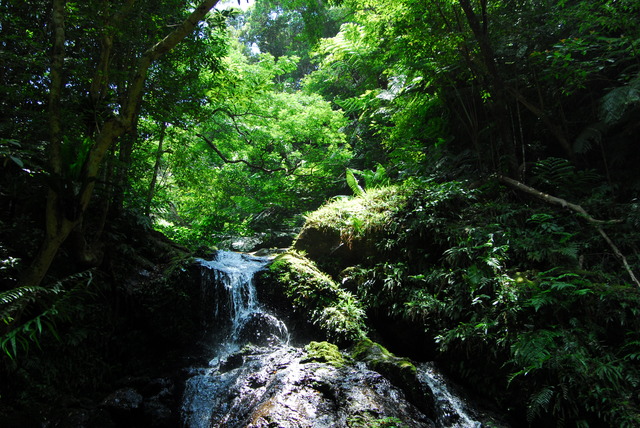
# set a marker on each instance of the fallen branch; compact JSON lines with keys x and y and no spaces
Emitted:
{"x":578,"y":209}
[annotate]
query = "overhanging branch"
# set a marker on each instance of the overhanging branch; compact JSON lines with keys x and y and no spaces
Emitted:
{"x":578,"y":209}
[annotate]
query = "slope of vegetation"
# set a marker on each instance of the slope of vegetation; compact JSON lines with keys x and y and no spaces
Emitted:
{"x":509,"y":291}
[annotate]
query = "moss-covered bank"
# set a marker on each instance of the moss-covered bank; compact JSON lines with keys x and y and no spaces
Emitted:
{"x":315,"y":297}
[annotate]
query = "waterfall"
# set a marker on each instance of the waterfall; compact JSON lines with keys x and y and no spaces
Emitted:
{"x":452,"y":411}
{"x":273,"y":384}
{"x":229,"y":277}
{"x":237,"y":319}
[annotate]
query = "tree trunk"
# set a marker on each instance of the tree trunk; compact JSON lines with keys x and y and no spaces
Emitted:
{"x":156,"y":169}
{"x":58,"y":225}
{"x":496,"y":83}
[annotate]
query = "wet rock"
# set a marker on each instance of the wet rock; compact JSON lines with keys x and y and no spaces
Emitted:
{"x":400,"y":372}
{"x":158,"y":413}
{"x":262,"y":329}
{"x":231,"y":362}
{"x":124,"y":405}
{"x":284,"y":388}
{"x":324,"y":352}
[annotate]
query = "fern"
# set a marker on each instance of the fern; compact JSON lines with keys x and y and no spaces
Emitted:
{"x":553,"y":171}
{"x":17,"y":296}
{"x":352,"y":181}
{"x":377,"y":178}
{"x":539,"y":402}
{"x":13,"y":302}
{"x":348,"y":45}
{"x":616,"y":103}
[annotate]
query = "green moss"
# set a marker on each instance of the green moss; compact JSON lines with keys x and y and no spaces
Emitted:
{"x":337,"y":312}
{"x":324,"y":352}
{"x":356,"y":217}
{"x":373,"y":421}
{"x":379,"y":358}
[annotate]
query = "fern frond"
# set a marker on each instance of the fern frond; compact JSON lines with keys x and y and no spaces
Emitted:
{"x":352,"y":181}
{"x":28,"y":292}
{"x":553,"y":171}
{"x":615,"y":104}
{"x":348,"y":45}
{"x":16,"y":298}
{"x":539,"y":402}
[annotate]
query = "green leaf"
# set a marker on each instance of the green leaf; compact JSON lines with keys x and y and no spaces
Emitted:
{"x":352,"y":181}
{"x":17,"y":160}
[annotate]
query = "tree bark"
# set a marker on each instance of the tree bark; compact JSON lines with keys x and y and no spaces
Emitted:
{"x":56,"y":85}
{"x":156,"y":169}
{"x":496,"y":83}
{"x":553,"y":128}
{"x":57,"y":225}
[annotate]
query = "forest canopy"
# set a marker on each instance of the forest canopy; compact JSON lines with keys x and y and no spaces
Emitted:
{"x":509,"y":128}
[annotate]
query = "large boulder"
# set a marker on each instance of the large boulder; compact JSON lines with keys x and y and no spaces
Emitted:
{"x":347,"y":231}
{"x":288,"y":387}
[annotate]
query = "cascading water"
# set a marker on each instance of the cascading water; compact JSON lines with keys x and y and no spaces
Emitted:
{"x":451,"y":410}
{"x":229,"y":277}
{"x":237,"y":319}
{"x":255,"y":379}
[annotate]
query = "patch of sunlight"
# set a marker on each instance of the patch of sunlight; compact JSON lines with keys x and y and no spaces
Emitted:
{"x":164,"y":223}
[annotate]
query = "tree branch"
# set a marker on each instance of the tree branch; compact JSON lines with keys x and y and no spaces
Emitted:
{"x":578,"y":209}
{"x":542,"y":115}
{"x":247,"y":163}
{"x":115,"y":127}
{"x":136,"y":87}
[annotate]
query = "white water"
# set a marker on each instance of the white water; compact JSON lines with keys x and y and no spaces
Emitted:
{"x":452,"y":410}
{"x":230,"y":278}
{"x":234,"y":271}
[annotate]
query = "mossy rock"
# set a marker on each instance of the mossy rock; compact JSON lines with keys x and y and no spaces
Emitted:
{"x":401,"y":372}
{"x":347,"y":231}
{"x":336,"y":312}
{"x":324,"y":352}
{"x":381,"y":360}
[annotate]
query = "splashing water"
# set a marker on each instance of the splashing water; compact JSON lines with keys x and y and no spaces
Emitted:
{"x":451,"y":410}
{"x":228,"y":279}
{"x":230,"y":276}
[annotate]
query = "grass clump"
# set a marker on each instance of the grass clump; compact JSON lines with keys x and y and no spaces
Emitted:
{"x":355,"y":217}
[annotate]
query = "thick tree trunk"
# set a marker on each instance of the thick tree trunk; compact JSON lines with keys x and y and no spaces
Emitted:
{"x":58,"y":227}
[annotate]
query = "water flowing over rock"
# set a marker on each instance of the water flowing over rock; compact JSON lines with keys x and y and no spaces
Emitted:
{"x":275,"y":388}
{"x":254,"y":378}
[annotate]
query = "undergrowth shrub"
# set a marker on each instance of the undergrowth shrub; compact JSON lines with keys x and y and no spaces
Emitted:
{"x":525,"y":301}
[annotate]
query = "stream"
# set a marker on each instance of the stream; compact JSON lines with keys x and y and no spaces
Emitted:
{"x":255,"y":378}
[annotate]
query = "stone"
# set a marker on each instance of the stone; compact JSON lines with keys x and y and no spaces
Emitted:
{"x":282,"y":387}
{"x":125,"y":404}
{"x":262,"y":329}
